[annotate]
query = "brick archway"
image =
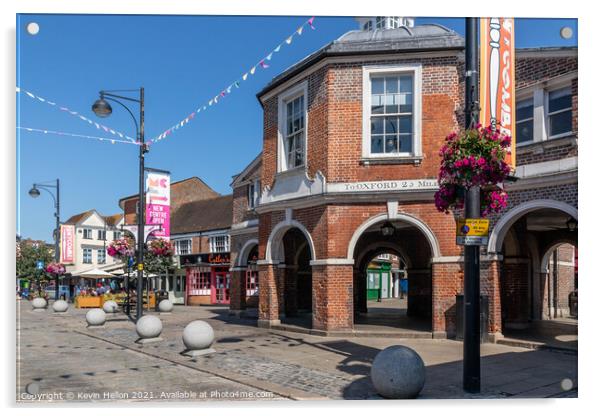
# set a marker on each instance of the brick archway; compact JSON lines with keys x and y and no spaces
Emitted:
{"x":498,"y":234}
{"x":415,"y":244}
{"x":381,"y":218}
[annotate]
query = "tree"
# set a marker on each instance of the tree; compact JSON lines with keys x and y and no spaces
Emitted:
{"x":28,"y":254}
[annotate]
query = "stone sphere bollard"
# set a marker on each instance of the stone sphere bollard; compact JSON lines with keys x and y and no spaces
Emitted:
{"x":39,"y":304}
{"x":149,"y":328}
{"x":398,"y":373}
{"x":60,"y":306}
{"x":198,"y":337}
{"x":96,"y":317}
{"x":110,"y":306}
{"x":165,"y":306}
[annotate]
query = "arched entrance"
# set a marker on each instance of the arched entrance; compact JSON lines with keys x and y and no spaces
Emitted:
{"x":538,"y":241}
{"x":285,"y":292}
{"x":297,"y":278}
{"x":405,"y":300}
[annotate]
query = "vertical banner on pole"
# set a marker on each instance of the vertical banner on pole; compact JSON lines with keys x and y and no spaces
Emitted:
{"x":497,"y":84}
{"x":157,"y":203}
{"x":67,"y":243}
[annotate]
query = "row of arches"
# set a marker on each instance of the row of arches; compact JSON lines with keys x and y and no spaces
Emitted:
{"x":526,"y":236}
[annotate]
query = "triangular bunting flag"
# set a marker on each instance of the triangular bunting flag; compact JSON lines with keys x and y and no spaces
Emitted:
{"x":252,"y":71}
{"x":277,"y":48}
{"x":236,"y":84}
{"x":269,"y":57}
{"x":263,"y":64}
{"x":289,"y":40}
{"x":311,"y":21}
{"x":300,"y":30}
{"x":244,"y":77}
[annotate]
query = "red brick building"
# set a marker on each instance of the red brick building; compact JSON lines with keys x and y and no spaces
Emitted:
{"x":200,"y":220}
{"x":348,"y":172}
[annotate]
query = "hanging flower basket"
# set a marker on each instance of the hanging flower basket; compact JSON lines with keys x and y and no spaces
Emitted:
{"x":473,"y":158}
{"x":160,"y":248}
{"x":122,"y":248}
{"x":56,"y":268}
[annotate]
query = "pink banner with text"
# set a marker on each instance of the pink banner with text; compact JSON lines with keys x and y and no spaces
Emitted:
{"x":157,"y":203}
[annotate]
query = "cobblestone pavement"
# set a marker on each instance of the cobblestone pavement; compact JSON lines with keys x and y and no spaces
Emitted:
{"x":61,"y":355}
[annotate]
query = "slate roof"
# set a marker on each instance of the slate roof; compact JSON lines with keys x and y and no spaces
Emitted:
{"x":419,"y":38}
{"x":202,"y":215}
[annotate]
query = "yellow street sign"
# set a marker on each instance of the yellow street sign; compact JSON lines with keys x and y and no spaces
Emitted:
{"x":140,"y":266}
{"x":472,"y":231}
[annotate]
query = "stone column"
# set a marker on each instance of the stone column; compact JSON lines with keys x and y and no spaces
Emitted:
{"x":238,"y":290}
{"x":269,"y":298}
{"x":448,"y":281}
{"x":332,"y":292}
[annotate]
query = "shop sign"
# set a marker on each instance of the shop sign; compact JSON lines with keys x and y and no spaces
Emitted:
{"x":206,"y":258}
{"x":472,"y":232}
{"x":216,"y":258}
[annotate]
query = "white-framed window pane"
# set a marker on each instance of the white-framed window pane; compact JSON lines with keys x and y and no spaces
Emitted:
{"x":405,"y":143}
{"x":377,"y":142}
{"x":560,"y":114}
{"x":219,"y":244}
{"x":87,"y":255}
{"x":391,"y":95}
{"x":295,"y":133}
{"x":391,"y":143}
{"x":561,"y":123}
{"x":183,"y":247}
{"x":102,"y":256}
{"x":559,"y":100}
{"x":524,"y":121}
{"x":524,"y":110}
{"x":116,"y":235}
{"x":524,"y":131}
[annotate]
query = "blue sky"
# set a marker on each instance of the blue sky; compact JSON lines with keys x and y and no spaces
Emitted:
{"x":182,"y":62}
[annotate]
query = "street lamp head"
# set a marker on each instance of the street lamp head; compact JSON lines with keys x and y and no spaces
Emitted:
{"x":102,"y":108}
{"x":34,"y":192}
{"x":387,"y":229}
{"x":571,"y":224}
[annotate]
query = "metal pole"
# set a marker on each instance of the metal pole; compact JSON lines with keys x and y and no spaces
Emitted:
{"x":141,"y":211}
{"x":472,"y":347}
{"x":555,"y":259}
{"x":57,"y":256}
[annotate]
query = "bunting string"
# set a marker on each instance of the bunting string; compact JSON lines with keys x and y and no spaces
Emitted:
{"x":82,"y":136}
{"x":262,"y":63}
{"x":77,"y":115}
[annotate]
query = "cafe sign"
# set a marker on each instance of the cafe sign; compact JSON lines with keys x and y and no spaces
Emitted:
{"x":472,"y":232}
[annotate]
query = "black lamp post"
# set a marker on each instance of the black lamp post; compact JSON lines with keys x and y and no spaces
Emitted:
{"x":472,"y":207}
{"x":34,"y":192}
{"x":102,"y":108}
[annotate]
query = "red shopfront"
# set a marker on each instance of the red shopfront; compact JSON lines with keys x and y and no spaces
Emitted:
{"x":207,"y":279}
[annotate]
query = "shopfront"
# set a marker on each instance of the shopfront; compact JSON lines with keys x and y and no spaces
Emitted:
{"x":207,"y":278}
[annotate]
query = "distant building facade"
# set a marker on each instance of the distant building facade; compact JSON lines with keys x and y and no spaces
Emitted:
{"x":93,"y":233}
